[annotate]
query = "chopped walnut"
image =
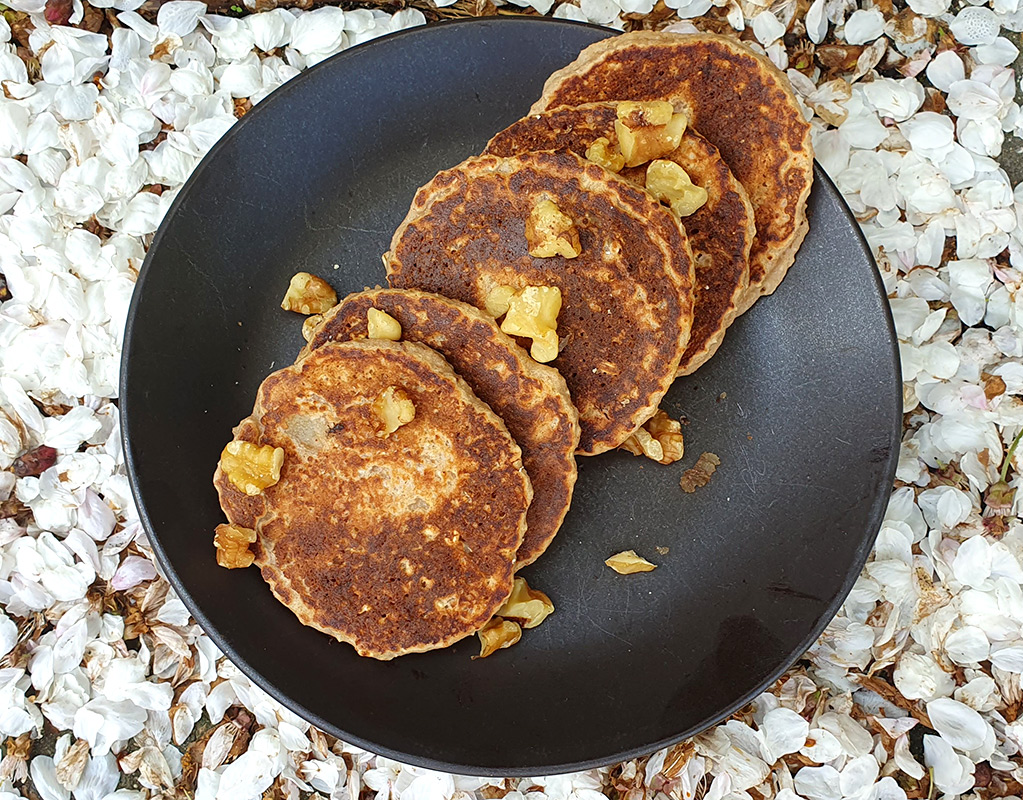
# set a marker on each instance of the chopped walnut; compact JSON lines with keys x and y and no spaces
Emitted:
{"x":381,"y":325}
{"x":647,"y":131}
{"x":252,"y":467}
{"x":526,"y":606}
{"x":641,"y":443}
{"x":531,"y":312}
{"x":308,"y":294}
{"x":550,"y":233}
{"x":232,"y":543}
{"x":309,"y":326}
{"x":660,"y":439}
{"x":497,"y":635}
{"x":601,"y":152}
{"x":701,"y":472}
{"x":668,"y":432}
{"x":671,"y":184}
{"x":627,"y":562}
{"x":393,"y":409}
{"x":499,"y":300}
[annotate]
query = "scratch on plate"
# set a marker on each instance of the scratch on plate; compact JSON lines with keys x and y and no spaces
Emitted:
{"x":749,"y":473}
{"x":358,"y":230}
{"x":208,"y":280}
{"x":604,"y":630}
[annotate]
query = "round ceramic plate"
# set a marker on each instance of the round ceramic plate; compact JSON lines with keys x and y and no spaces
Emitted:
{"x":802,"y":405}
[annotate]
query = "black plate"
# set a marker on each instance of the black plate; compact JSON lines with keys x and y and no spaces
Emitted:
{"x":802,"y":404}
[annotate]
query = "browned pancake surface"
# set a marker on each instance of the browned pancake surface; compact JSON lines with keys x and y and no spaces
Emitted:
{"x":531,"y":398}
{"x":737,"y":99}
{"x":395,"y":544}
{"x":627,"y":298}
{"x":720,"y":233}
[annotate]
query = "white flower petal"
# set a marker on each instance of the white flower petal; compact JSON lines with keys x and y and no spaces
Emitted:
{"x":975,"y":25}
{"x":767,"y":28}
{"x":179,"y":17}
{"x":864,"y":26}
{"x":958,"y":724}
{"x":967,"y":645}
{"x":1001,"y":52}
{"x":784,"y":731}
{"x":319,"y":32}
{"x":818,"y":783}
{"x":953,"y":774}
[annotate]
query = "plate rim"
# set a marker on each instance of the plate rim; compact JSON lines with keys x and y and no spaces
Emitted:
{"x":251,"y":672}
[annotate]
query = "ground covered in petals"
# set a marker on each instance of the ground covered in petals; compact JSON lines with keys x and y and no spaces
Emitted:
{"x":108,"y":690}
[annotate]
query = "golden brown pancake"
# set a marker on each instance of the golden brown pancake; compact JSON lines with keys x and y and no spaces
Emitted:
{"x":395,"y":544}
{"x":531,"y":398}
{"x":627,"y":298}
{"x":720,"y":233}
{"x":737,"y":99}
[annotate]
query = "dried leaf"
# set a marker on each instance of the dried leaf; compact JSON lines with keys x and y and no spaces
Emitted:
{"x":58,"y":12}
{"x":219,"y":745}
{"x":35,"y":462}
{"x":994,"y":386}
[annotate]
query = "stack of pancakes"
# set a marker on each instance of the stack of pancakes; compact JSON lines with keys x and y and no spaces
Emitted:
{"x":409,"y":541}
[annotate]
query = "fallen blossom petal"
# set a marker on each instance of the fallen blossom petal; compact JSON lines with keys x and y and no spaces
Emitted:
{"x":133,"y":571}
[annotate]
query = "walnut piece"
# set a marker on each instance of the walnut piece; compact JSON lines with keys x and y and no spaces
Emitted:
{"x":532,"y":312}
{"x":670,"y":184}
{"x":526,"y":606}
{"x":497,"y":635}
{"x":642,"y":443}
{"x":659,"y":439}
{"x":308,"y":294}
{"x":648,"y":130}
{"x":601,"y":152}
{"x":252,"y":467}
{"x":381,"y":325}
{"x":627,"y":562}
{"x":309,"y":326}
{"x":393,"y":409}
{"x":232,"y":543}
{"x":550,"y":233}
{"x":701,"y":472}
{"x":498,"y":300}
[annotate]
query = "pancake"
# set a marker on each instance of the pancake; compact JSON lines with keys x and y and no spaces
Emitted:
{"x":737,"y":99}
{"x":531,"y":398}
{"x":720,"y":233}
{"x":395,"y":544}
{"x":626,"y":299}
